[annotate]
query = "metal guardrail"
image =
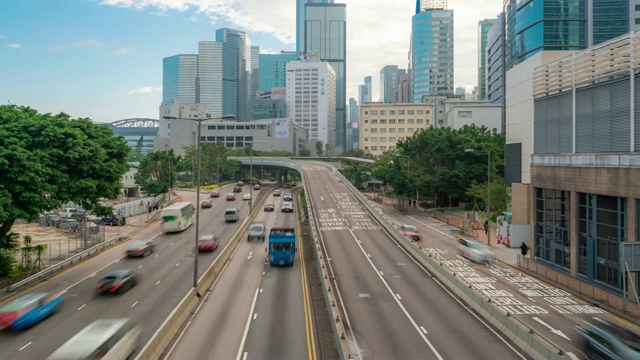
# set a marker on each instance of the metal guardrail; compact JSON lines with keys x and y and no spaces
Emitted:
{"x":528,"y":339}
{"x":50,"y":271}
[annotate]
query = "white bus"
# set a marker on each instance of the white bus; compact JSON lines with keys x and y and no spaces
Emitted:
{"x":110,"y":339}
{"x":177,"y":217}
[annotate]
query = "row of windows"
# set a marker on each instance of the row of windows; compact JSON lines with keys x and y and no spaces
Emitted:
{"x":382,"y":148}
{"x":391,"y":130}
{"x":393,"y":121}
{"x":384,"y":139}
{"x":399,"y":112}
{"x":236,"y":127}
{"x":225,"y":138}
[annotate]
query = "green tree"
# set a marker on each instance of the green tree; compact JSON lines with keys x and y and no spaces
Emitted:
{"x":500,"y":195}
{"x":327,"y":149}
{"x":358,"y":153}
{"x":319,"y":147}
{"x":46,"y":160}
{"x":154,"y":174}
{"x":304,"y":152}
{"x":358,"y":173}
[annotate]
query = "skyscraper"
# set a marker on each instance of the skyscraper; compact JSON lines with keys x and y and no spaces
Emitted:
{"x":273,"y":70}
{"x":300,"y":19}
{"x":209,"y":84}
{"x":255,"y":74}
{"x":364,"y":91}
{"x":483,"y":28}
{"x":326,"y":35}
{"x":235,"y":66}
{"x":389,"y":80}
{"x":495,"y":66}
{"x":179,"y":73}
{"x":432,"y":50}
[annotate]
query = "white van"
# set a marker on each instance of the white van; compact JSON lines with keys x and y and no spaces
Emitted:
{"x":67,"y":212}
{"x":231,"y":215}
{"x":102,"y":339}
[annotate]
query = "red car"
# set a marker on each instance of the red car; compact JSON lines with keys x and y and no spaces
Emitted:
{"x":214,"y":194}
{"x":256,"y":187}
{"x":207,"y":243}
{"x":206,"y":204}
{"x":276,"y":192}
{"x":231,"y":197}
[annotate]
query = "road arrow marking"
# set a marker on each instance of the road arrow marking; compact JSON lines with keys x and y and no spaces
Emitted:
{"x":557,"y":332}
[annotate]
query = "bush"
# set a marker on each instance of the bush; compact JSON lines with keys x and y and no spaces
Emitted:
{"x":7,"y":263}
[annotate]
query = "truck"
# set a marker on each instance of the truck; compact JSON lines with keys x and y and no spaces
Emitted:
{"x":282,"y":246}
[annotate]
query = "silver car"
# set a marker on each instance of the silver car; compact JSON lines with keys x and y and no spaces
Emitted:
{"x":606,"y":340}
{"x":474,"y":250}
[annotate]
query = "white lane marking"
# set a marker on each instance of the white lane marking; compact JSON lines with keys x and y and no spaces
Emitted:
{"x":555,"y":331}
{"x":118,"y":260}
{"x":398,"y":295}
{"x":156,"y":255}
{"x":178,"y":264}
{"x":134,"y":304}
{"x":255,"y":315}
{"x":250,"y":255}
{"x":433,"y":349}
{"x":139,"y":266}
{"x":531,"y":299}
{"x":381,"y":273}
{"x":158,"y":282}
{"x":244,"y":357}
{"x":22,"y":348}
{"x":80,"y":308}
{"x":172,"y":243}
{"x":261,"y":290}
{"x":369,"y":255}
{"x":246,"y":328}
{"x":572,"y":356}
{"x":423,"y":329}
{"x":600,"y":320}
{"x":92,"y":275}
{"x":190,"y":252}
{"x":322,"y":198}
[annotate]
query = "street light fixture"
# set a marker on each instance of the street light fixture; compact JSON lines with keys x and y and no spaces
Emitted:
{"x":251,"y":172}
{"x":195,"y":251}
{"x":488,"y":192}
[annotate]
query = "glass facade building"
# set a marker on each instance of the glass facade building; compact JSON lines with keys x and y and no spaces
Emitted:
{"x":432,"y":53}
{"x":273,"y":70}
{"x":364,"y":91}
{"x":483,"y":29}
{"x":208,"y":85}
{"x":234,"y":72}
{"x":300,"y":19}
{"x":495,"y":79}
{"x":610,"y":19}
{"x":179,"y":73}
{"x":389,"y":80}
{"x":326,"y":35}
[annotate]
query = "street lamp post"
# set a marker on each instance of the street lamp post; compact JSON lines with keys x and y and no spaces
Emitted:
{"x":251,"y":173}
{"x":195,"y":251}
{"x":488,"y":193}
{"x":408,"y":174}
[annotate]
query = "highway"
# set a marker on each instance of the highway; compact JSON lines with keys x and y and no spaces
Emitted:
{"x":253,"y":311}
{"x":393,"y":307}
{"x":165,"y":276}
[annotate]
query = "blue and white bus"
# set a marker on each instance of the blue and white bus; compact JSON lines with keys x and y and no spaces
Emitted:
{"x":177,"y":217}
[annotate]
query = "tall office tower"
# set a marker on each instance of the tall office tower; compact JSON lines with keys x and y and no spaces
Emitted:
{"x":255,"y":74}
{"x":208,"y":84}
{"x":389,"y":80}
{"x":430,"y":4}
{"x":235,"y":66}
{"x":495,"y":78}
{"x":432,"y":52}
{"x":311,"y":96}
{"x":273,"y":70}
{"x":179,"y":73}
{"x":300,"y":19}
{"x":353,"y":125}
{"x":326,"y":35}
{"x":403,"y":92}
{"x":460,"y":91}
{"x":364,"y":91}
{"x":609,"y":19}
{"x":483,"y":28}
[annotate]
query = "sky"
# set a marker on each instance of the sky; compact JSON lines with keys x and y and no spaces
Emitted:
{"x":102,"y":59}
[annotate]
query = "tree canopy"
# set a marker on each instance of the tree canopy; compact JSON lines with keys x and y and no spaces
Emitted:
{"x":47,"y":160}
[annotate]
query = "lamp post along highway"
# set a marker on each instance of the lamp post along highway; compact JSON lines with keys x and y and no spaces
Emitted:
{"x":251,"y":173}
{"x":488,"y":194}
{"x":408,"y":174}
{"x":195,"y":251}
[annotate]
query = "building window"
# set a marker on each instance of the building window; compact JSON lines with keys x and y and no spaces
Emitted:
{"x":392,"y":121}
{"x":409,"y":121}
{"x":366,"y":121}
{"x":392,"y":112}
{"x":392,"y":130}
{"x":383,"y":121}
{"x":374,"y":121}
{"x":400,"y":112}
{"x":383,"y":112}
{"x":383,"y":148}
{"x":464,"y":115}
{"x":553,"y":242}
{"x":419,"y":112}
{"x":410,"y":130}
{"x":374,"y":139}
{"x":374,"y":112}
{"x":366,"y":112}
{"x":392,"y":147}
{"x":366,"y":139}
{"x":410,"y":112}
{"x":383,"y":130}
{"x":400,"y":121}
{"x":374,"y":148}
{"x":383,"y":139}
{"x":374,"y":130}
{"x":401,"y":138}
{"x":401,"y":130}
{"x":392,"y":139}
{"x":366,"y":130}
{"x":420,"y":121}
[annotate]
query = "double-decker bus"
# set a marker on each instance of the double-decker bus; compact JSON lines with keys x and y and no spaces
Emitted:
{"x":177,"y":217}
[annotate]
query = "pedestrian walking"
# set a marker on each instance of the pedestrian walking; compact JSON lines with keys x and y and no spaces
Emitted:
{"x":524,"y":249}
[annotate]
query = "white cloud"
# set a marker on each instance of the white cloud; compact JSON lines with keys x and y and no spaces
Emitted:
{"x":15,"y":46}
{"x":378,"y":31}
{"x":1,"y":36}
{"x":120,"y":51}
{"x":145,"y":90}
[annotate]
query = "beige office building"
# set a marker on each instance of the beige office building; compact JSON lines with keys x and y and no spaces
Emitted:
{"x":382,"y":125}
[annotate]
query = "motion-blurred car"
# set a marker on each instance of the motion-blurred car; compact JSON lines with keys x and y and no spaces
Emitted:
{"x":214,"y":193}
{"x":116,"y":282}
{"x":269,"y":207}
{"x":474,"y":250}
{"x":140,"y":248}
{"x":276,"y":192}
{"x":28,"y":310}
{"x":207,"y":243}
{"x":206,"y":204}
{"x":287,"y":207}
{"x":256,"y":232}
{"x":256,"y":187}
{"x":237,"y":188}
{"x":231,"y":197}
{"x":113,"y":220}
{"x":246,"y":196}
{"x":287,"y":197}
{"x":411,"y":232}
{"x":609,"y":341}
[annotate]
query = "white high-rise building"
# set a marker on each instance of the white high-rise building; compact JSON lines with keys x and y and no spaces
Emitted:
{"x":311,"y":99}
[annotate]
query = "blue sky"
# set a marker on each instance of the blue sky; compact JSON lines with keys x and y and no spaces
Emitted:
{"x":103,"y":58}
